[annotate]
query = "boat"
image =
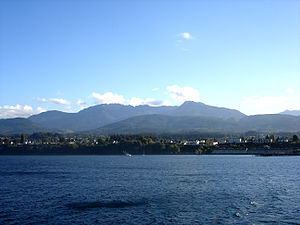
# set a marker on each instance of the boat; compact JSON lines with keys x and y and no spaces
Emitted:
{"x":127,"y":154}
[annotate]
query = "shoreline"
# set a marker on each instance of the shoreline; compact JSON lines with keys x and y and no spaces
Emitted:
{"x":149,"y":149}
{"x":161,"y":154}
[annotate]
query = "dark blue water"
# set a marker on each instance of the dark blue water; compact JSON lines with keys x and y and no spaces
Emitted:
{"x":149,"y":190}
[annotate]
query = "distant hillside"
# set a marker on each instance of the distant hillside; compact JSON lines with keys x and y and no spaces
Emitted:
{"x":175,"y":124}
{"x":20,"y":125}
{"x":291,"y":112}
{"x":271,"y":123}
{"x":167,"y":124}
{"x":199,"y":109}
{"x":66,"y":122}
{"x":92,"y":117}
{"x":101,"y":115}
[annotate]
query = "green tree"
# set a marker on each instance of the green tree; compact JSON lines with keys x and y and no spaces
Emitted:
{"x":295,"y":138}
{"x":62,"y":139}
{"x":22,"y":141}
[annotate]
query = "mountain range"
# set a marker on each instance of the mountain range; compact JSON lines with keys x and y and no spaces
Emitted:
{"x":124,"y":119}
{"x":101,"y":115}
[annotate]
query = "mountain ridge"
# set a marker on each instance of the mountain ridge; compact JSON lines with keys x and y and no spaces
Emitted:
{"x":117,"y":118}
{"x":101,"y":115}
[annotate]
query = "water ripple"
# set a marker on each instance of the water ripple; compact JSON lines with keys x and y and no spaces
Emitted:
{"x":149,"y":190}
{"x":105,"y":204}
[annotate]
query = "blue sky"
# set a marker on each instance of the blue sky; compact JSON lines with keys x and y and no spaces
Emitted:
{"x":68,"y":55}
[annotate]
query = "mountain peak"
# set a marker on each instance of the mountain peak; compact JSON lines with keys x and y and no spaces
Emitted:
{"x":191,"y":108}
{"x":186,"y":103}
{"x":291,"y":112}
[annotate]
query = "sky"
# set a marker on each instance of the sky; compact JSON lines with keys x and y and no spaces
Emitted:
{"x":68,"y":55}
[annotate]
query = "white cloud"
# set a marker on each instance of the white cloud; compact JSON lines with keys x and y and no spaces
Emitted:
{"x":108,"y":98}
{"x":155,"y":89}
{"x":40,"y":109}
{"x":269,"y":104}
{"x":59,"y":101}
{"x":186,"y":35}
{"x":80,"y":102}
{"x":290,"y":90}
{"x":182,"y":94}
{"x":18,"y":110}
{"x":136,"y":101}
{"x":42,"y":100}
{"x":27,"y":108}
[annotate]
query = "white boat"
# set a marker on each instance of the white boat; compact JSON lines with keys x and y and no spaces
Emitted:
{"x":127,"y":154}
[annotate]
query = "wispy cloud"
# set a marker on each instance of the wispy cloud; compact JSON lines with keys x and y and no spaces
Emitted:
{"x":18,"y":110}
{"x":42,"y":100}
{"x":290,"y":90}
{"x":136,"y":101}
{"x":80,"y":102}
{"x":108,"y":98}
{"x":182,"y":39}
{"x":59,"y":101}
{"x":182,"y":94}
{"x":185,"y":35}
{"x":155,"y":89}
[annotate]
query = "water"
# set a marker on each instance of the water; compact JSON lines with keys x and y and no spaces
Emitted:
{"x":149,"y":190}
